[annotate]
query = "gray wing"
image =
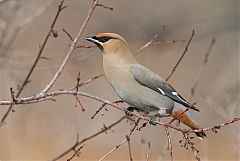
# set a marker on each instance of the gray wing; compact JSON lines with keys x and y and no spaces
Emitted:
{"x":151,"y":80}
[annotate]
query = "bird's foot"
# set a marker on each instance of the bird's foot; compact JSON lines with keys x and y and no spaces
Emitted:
{"x":153,"y":120}
{"x":129,"y":110}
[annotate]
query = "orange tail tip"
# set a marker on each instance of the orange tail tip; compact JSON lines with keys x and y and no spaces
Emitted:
{"x":178,"y":114}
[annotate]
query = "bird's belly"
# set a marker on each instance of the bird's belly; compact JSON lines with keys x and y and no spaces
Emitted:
{"x":140,"y":96}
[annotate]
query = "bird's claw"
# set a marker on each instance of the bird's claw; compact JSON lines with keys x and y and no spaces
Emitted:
{"x":129,"y":110}
{"x":153,"y":120}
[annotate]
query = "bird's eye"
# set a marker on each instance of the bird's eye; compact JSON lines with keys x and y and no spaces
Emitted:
{"x":104,"y":39}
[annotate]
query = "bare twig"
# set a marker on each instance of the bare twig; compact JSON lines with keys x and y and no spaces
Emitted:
{"x":148,"y":150}
{"x":120,"y":144}
{"x":68,"y":34}
{"x":149,"y":43}
{"x":216,"y":127}
{"x":129,"y":148}
{"x":90,"y":80}
{"x":12,"y":95}
{"x":85,"y":46}
{"x":88,"y":138}
{"x":180,"y":59}
{"x":76,"y":96}
{"x":76,"y":153}
{"x":104,"y":6}
{"x":101,"y":107}
{"x":169,"y":142}
{"x":25,"y":82}
{"x":205,"y":61}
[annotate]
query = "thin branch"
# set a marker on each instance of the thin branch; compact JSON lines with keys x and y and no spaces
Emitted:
{"x":129,"y":148}
{"x":68,"y":34}
{"x":86,"y":46}
{"x":104,"y":6}
{"x":205,"y":61}
{"x":88,"y":138}
{"x":76,"y":96}
{"x":120,"y":144}
{"x":76,"y":153}
{"x":100,"y":108}
{"x":180,"y":59}
{"x":12,"y":95}
{"x":147,"y":155}
{"x":169,"y":142}
{"x":149,"y":43}
{"x":215,"y":127}
{"x":25,"y":82}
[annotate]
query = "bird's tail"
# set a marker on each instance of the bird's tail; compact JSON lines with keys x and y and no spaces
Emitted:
{"x":185,"y":118}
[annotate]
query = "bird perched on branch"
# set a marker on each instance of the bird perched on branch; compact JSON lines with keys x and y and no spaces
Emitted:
{"x":141,"y":88}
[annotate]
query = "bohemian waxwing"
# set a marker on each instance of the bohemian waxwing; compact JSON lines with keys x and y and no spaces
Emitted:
{"x":137,"y":85}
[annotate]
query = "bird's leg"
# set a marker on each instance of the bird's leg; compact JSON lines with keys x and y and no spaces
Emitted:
{"x":132,"y":108}
{"x":163,"y":113}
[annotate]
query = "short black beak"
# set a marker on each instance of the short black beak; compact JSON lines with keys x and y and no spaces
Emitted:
{"x":91,"y":39}
{"x":94,"y":40}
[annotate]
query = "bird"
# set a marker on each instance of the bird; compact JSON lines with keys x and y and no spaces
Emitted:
{"x":138,"y":86}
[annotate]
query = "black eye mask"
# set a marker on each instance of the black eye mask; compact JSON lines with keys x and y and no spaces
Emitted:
{"x":102,"y":39}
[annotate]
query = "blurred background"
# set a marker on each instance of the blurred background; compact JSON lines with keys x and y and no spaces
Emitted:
{"x":42,"y":131}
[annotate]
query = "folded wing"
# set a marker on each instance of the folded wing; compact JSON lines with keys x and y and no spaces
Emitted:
{"x":151,"y":80}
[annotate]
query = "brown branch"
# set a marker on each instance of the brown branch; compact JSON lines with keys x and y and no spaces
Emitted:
{"x":26,"y":80}
{"x":12,"y":95}
{"x":169,"y":142}
{"x":104,"y":6}
{"x":86,"y":46}
{"x":66,"y":92}
{"x":68,"y":34}
{"x":129,"y":148}
{"x":205,"y":61}
{"x":88,"y":138}
{"x":215,"y":127}
{"x":187,"y":142}
{"x":101,"y":107}
{"x":76,"y":153}
{"x":149,"y":43}
{"x":180,"y":59}
{"x":76,"y":96}
{"x":147,"y":155}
